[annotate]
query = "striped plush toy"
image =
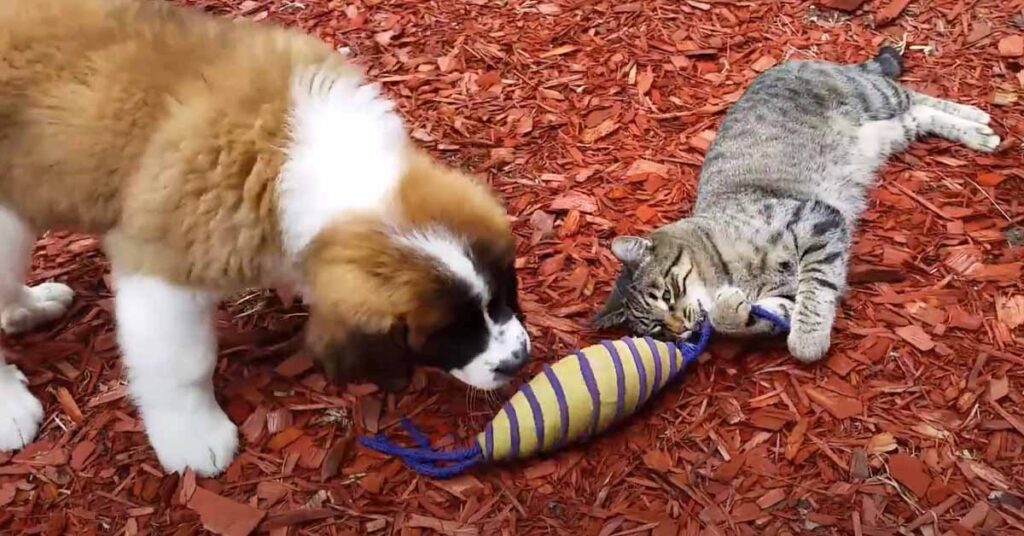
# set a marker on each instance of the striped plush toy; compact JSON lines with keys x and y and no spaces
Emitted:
{"x":578,"y":396}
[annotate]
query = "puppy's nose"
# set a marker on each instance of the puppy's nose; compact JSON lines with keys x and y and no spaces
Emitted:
{"x":511,"y":366}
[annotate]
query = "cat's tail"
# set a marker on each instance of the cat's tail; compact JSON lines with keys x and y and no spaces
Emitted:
{"x":888,"y":62}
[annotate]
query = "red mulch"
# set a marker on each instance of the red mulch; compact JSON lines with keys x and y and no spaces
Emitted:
{"x":591,"y":118}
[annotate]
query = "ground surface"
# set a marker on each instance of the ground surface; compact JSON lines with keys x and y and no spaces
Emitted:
{"x":591,"y":118}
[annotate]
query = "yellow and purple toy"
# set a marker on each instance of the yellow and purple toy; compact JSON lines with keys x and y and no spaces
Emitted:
{"x":580,"y":395}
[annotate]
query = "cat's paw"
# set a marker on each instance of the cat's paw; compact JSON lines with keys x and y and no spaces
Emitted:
{"x":731,"y":309}
{"x":809,"y":345}
{"x":682,"y":322}
{"x":981,"y":138}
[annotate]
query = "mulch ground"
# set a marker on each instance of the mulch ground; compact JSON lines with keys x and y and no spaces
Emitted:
{"x":591,"y":118}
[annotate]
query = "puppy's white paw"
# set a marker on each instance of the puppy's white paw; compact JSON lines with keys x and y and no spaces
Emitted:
{"x":20,"y":412}
{"x":808,"y":345}
{"x":36,"y":305}
{"x":205,"y":441}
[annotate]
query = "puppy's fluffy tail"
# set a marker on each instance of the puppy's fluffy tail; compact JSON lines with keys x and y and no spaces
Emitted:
{"x":888,"y":62}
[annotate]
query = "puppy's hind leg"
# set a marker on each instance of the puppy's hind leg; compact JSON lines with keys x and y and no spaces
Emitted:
{"x":20,"y":412}
{"x":21,"y":307}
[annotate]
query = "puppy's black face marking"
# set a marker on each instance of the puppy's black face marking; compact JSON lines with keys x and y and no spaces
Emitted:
{"x":454,"y":345}
{"x":485,"y":343}
{"x":381,"y":358}
{"x":504,"y":302}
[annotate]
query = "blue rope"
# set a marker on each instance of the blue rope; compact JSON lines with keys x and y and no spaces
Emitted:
{"x":426,"y":460}
{"x":692,"y":350}
{"x":418,"y":437}
{"x":780,"y":323}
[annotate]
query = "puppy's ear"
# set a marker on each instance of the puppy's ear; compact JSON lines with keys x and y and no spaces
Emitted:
{"x":349,"y":355}
{"x":614,"y":312}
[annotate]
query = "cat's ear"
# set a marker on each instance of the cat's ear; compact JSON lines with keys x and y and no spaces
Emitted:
{"x":631,"y":249}
{"x":614,"y":312}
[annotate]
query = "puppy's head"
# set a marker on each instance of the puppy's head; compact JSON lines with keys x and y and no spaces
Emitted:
{"x":433,"y":284}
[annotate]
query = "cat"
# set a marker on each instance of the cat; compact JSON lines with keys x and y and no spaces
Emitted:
{"x":780,"y":193}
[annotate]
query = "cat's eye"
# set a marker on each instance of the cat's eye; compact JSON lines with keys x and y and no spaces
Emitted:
{"x":667,"y":295}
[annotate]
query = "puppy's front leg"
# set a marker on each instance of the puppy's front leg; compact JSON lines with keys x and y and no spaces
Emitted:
{"x":169,"y":344}
{"x":20,"y":412}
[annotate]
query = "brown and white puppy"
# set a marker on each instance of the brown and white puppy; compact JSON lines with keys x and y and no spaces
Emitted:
{"x":214,"y":156}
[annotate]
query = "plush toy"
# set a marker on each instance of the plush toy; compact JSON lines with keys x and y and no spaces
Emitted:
{"x":578,"y":396}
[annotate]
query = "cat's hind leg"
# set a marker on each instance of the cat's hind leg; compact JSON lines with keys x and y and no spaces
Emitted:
{"x":931,"y":120}
{"x":876,"y":140}
{"x":963,"y":111}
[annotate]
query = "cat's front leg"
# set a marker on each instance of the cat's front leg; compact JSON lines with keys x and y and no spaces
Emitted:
{"x":730,"y":310}
{"x":820,"y":284}
{"x":811,"y":326}
{"x":731,"y":313}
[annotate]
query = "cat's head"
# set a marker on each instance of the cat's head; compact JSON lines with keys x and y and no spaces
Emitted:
{"x":658,"y":291}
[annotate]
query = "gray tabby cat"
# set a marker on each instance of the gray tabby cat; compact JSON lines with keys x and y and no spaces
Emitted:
{"x":780,"y":193}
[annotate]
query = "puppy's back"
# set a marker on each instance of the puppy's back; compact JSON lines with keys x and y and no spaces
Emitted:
{"x":92,"y":89}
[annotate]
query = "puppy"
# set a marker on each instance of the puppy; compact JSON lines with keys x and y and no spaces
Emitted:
{"x":213,"y":156}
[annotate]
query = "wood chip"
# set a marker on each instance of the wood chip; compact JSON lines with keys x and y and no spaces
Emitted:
{"x":910,"y":472}
{"x":916,"y":336}
{"x":841,"y":407}
{"x":771,"y":498}
{"x":891,"y":10}
{"x":658,"y":460}
{"x":845,"y":5}
{"x":1011,"y":46}
{"x":223,"y":516}
{"x":1010,"y":311}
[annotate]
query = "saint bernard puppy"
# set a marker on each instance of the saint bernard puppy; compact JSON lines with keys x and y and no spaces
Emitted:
{"x":213,"y":156}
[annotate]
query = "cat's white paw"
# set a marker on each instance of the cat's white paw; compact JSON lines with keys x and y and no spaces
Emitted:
{"x":976,"y":136}
{"x":682,"y":322}
{"x":36,"y":305}
{"x":205,"y":441}
{"x":731,"y":309}
{"x":808,"y":345}
{"x":982,"y":138}
{"x":20,"y":411}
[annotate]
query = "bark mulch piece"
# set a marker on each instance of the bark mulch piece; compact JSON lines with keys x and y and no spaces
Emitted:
{"x":591,"y":118}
